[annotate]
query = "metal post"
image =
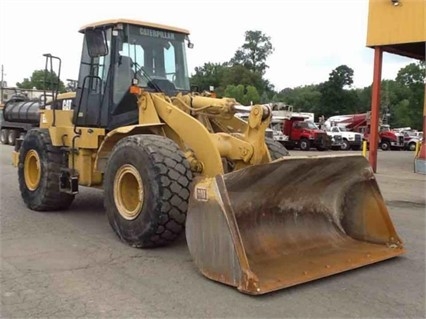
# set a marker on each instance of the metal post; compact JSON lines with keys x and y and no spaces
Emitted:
{"x":375,"y":107}
{"x":364,"y":149}
{"x":420,"y":159}
{"x":423,"y":146}
{"x":1,"y":87}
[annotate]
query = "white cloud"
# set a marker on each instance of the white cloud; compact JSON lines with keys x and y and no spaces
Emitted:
{"x":311,"y":37}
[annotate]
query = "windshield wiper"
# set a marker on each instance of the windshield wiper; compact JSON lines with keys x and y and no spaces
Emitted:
{"x":141,"y":70}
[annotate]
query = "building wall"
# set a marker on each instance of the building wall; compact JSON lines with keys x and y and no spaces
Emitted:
{"x":389,"y":24}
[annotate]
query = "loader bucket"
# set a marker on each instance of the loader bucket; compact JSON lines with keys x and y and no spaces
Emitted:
{"x":297,"y":219}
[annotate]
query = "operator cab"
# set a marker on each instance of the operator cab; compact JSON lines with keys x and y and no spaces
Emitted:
{"x":337,"y":129}
{"x":300,"y":124}
{"x":118,"y":54}
{"x":385,"y":128}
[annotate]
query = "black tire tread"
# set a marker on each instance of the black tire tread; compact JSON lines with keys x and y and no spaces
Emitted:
{"x":276,"y":149}
{"x":4,"y":134}
{"x":346,"y":146}
{"x":49,"y":197}
{"x":385,"y":146}
{"x":308,"y":144}
{"x":12,"y":136}
{"x":172,"y":173}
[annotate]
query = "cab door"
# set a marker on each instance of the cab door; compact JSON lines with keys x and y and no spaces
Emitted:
{"x":296,"y":131}
{"x":91,"y":103}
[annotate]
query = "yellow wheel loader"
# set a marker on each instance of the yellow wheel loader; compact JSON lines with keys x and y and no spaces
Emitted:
{"x":170,"y":160}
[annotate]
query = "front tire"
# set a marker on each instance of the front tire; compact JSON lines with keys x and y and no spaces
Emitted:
{"x":412,"y":147}
{"x":305,"y":144}
{"x":345,"y":145}
{"x":385,"y":146}
{"x":39,"y":169}
{"x":147,"y":187}
{"x":4,"y":135}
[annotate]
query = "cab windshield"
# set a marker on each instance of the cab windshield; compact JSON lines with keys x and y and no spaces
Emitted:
{"x":309,"y":125}
{"x":157,"y":57}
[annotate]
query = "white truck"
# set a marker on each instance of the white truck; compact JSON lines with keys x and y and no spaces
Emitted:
{"x":350,"y":140}
{"x":411,"y":139}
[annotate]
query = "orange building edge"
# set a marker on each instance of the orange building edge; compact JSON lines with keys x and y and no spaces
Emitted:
{"x":397,"y":27}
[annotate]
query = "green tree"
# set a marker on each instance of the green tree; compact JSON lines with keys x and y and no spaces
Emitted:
{"x":236,"y":92}
{"x":341,"y":77}
{"x":243,"y":94}
{"x":306,"y":98}
{"x":336,"y":98}
{"x":411,"y":79}
{"x":268,"y":91}
{"x":412,"y":75}
{"x":210,"y":74}
{"x":238,"y":74}
{"x":251,"y":96}
{"x":364,"y":99}
{"x":402,"y":98}
{"x":401,"y":115}
{"x":42,"y":80}
{"x":254,"y":52}
{"x":247,"y":68}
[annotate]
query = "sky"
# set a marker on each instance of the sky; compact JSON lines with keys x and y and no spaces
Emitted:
{"x":310,"y":37}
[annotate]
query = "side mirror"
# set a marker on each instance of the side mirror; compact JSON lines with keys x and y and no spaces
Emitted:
{"x":96,"y":43}
{"x":190,"y":44}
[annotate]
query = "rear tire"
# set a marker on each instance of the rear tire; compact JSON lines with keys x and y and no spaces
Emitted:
{"x":276,"y":149}
{"x":11,"y":138}
{"x":147,"y":187}
{"x":305,"y":144}
{"x":4,"y":134}
{"x":39,"y":169}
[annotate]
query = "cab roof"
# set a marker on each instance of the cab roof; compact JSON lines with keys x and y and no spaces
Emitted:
{"x":105,"y":23}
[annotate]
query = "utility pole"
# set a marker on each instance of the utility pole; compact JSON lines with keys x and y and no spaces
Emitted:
{"x":386,"y":109}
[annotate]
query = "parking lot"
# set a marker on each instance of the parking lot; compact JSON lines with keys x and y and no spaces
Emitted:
{"x":71,"y":264}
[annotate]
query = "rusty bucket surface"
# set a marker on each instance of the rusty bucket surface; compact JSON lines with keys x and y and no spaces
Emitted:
{"x":297,"y":219}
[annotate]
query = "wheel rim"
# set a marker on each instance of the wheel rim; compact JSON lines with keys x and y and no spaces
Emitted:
{"x":32,"y":170}
{"x":128,"y":192}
